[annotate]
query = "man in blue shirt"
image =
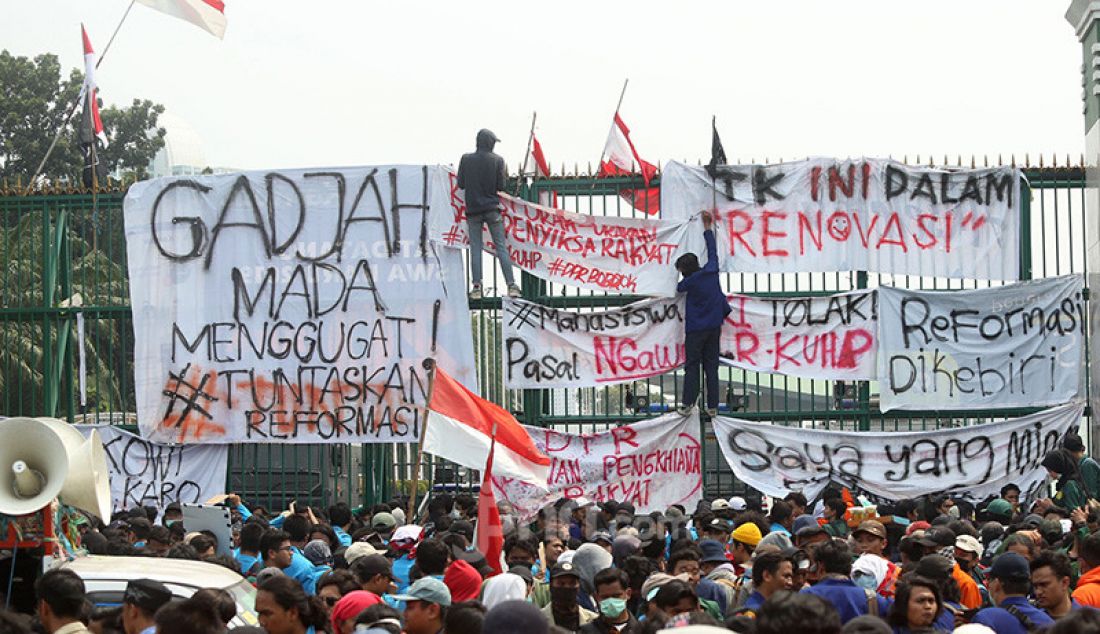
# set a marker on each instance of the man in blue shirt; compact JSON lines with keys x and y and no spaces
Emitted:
{"x":1009,"y":581}
{"x":771,"y":572}
{"x":833,"y":559}
{"x":705,"y":310}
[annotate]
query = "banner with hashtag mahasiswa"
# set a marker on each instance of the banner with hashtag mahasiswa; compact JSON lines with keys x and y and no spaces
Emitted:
{"x":291,"y":306}
{"x":598,"y":252}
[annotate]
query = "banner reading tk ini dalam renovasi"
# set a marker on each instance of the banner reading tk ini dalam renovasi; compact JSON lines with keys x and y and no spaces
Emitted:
{"x":652,"y":464}
{"x":856,"y":215}
{"x":600,"y":253}
{"x":293,"y":306}
{"x":973,"y":462}
{"x":1019,"y":345}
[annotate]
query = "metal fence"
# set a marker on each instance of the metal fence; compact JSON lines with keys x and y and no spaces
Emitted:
{"x":64,"y":256}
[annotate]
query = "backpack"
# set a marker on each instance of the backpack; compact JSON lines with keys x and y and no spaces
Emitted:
{"x":1024,"y":619}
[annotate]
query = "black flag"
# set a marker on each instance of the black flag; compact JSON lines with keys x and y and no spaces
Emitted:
{"x":717,"y":152}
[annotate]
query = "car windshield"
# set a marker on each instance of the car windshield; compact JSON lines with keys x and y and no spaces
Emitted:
{"x":245,"y":595}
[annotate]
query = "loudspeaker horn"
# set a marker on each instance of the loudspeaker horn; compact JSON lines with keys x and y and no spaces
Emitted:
{"x":33,"y":465}
{"x":87,"y":486}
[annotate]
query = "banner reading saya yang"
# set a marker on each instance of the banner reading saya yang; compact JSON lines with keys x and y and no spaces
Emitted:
{"x":856,"y":215}
{"x":972,"y":462}
{"x":827,"y":337}
{"x":600,"y":253}
{"x":1018,"y":345}
{"x":652,"y":464}
{"x":292,"y":306}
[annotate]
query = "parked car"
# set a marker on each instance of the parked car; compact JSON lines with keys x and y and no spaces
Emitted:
{"x":105,"y":580}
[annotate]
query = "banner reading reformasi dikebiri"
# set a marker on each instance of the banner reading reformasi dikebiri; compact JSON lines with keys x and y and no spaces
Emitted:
{"x":972,"y":462}
{"x":1018,"y":345}
{"x":597,"y":252}
{"x":856,"y":215}
{"x":652,"y":464}
{"x":823,"y":337}
{"x":291,"y":306}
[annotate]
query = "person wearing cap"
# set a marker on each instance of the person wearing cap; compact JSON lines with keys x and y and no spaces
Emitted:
{"x":563,"y":609}
{"x":1089,"y":468}
{"x":941,"y":540}
{"x":1088,"y":585}
{"x":718,"y":529}
{"x":832,"y":562}
{"x":1051,"y":577}
{"x":140,"y":602}
{"x":834,"y":511}
{"x":384,"y":524}
{"x":808,"y":532}
{"x":1009,"y":582}
{"x":481,"y":176}
{"x":870,"y":536}
{"x":968,"y":552}
{"x":716,"y":566}
{"x":602,"y":539}
{"x":1000,"y":510}
{"x":375,"y":574}
{"x":426,"y":604}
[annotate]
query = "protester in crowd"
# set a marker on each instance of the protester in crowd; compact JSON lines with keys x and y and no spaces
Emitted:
{"x":284,"y":607}
{"x":426,"y":604}
{"x":675,"y":597}
{"x":612,"y":594}
{"x":797,"y":613}
{"x":1089,"y":468}
{"x":193,"y":616}
{"x":706,"y":308}
{"x":1088,"y":558}
{"x":467,"y":617}
{"x":333,"y":585}
{"x":1009,"y":580}
{"x":462,"y":580}
{"x":512,"y":617}
{"x":833,"y":561}
{"x":481,"y":176}
{"x":60,"y":602}
{"x":781,"y":518}
{"x":916,"y":606}
{"x":1069,"y":486}
{"x":771,"y":572}
{"x":220,"y":601}
{"x":587,"y":561}
{"x":140,"y":602}
{"x":833,"y":512}
{"x":378,"y":619}
{"x":503,"y":587}
{"x":345,"y":611}
{"x":1051,"y":577}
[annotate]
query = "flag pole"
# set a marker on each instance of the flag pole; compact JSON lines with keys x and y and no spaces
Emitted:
{"x":714,"y":172}
{"x":72,"y":107}
{"x":618,"y":105}
{"x":429,"y":365}
{"x":523,"y":168}
{"x":488,"y":466}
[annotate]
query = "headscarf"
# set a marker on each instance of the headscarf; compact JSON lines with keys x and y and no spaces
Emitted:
{"x":1062,"y":462}
{"x":318,"y":553}
{"x":462,"y":580}
{"x":588,"y":560}
{"x":350,"y":605}
{"x":504,"y":587}
{"x":883,"y":572}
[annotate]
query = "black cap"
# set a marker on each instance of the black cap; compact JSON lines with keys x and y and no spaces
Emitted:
{"x":936,"y":567}
{"x":937,"y":537}
{"x":1010,"y":567}
{"x":523,"y":572}
{"x":564,"y":570}
{"x":147,"y":594}
{"x":370,"y":566}
{"x":625,"y":507}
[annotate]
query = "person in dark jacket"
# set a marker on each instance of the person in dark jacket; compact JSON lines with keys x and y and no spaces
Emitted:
{"x":481,"y":176}
{"x":706,"y":309}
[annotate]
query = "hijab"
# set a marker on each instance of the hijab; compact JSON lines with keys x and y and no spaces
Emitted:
{"x":501,"y":588}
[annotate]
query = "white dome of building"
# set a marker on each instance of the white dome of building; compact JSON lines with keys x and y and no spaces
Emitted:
{"x":182,"y":153}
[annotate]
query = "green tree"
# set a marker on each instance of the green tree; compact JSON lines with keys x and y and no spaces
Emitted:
{"x":33,"y":105}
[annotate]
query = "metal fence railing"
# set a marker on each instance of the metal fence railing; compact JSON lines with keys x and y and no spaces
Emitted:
{"x":64,"y":254}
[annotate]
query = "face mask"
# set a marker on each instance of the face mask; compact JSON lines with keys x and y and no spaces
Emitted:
{"x":866,"y":582}
{"x":612,"y":607}
{"x":953,"y":512}
{"x":563,"y":597}
{"x":455,"y":514}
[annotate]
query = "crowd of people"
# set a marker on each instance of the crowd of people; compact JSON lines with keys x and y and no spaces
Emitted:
{"x":743,"y":564}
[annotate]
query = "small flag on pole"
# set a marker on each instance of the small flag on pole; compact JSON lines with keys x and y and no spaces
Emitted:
{"x":717,"y":152}
{"x":208,"y":15}
{"x":620,"y":158}
{"x":490,"y":530}
{"x":90,"y":90}
{"x":537,"y":159}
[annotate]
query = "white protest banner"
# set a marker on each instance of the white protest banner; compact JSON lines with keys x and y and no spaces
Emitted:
{"x":144,"y":473}
{"x":856,"y":215}
{"x":291,"y":306}
{"x":652,"y":464}
{"x":971,"y":462}
{"x":827,"y":337}
{"x":552,"y":347}
{"x":1019,"y":345}
{"x":600,"y":253}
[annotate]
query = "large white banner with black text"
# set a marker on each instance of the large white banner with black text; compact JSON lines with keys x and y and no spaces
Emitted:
{"x":652,"y":464}
{"x":972,"y":462}
{"x":1018,"y":345}
{"x":856,"y":215}
{"x":293,"y":306}
{"x":144,"y":473}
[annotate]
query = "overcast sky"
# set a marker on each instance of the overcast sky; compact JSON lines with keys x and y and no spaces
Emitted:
{"x":328,"y":83}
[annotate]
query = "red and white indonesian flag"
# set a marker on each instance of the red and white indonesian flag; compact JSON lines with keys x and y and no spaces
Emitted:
{"x":536,"y":160}
{"x":619,"y":156}
{"x":90,"y":89}
{"x":459,"y":428}
{"x":208,"y":15}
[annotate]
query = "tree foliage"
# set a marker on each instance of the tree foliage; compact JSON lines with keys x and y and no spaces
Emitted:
{"x":33,"y":105}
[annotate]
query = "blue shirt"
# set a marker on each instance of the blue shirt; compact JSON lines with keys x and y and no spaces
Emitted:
{"x":779,"y":528}
{"x":246,"y":562}
{"x":754,"y":602}
{"x":849,"y":599}
{"x":706,"y":306}
{"x":711,"y":591}
{"x":342,"y":536}
{"x":400,"y":570}
{"x":301,"y":570}
{"x":1003,"y":622}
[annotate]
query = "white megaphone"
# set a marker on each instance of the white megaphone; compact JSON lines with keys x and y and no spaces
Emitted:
{"x":87,"y":486}
{"x":33,"y":465}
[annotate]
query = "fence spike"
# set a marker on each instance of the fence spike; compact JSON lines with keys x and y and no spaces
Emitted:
{"x":1000,"y":161}
{"x":1082,"y":161}
{"x":590,"y":168}
{"x":1013,"y":159}
{"x":1027,"y":160}
{"x":1068,"y":163}
{"x":958,"y":160}
{"x":917,"y":162}
{"x":972,"y":164}
{"x":945,"y":161}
